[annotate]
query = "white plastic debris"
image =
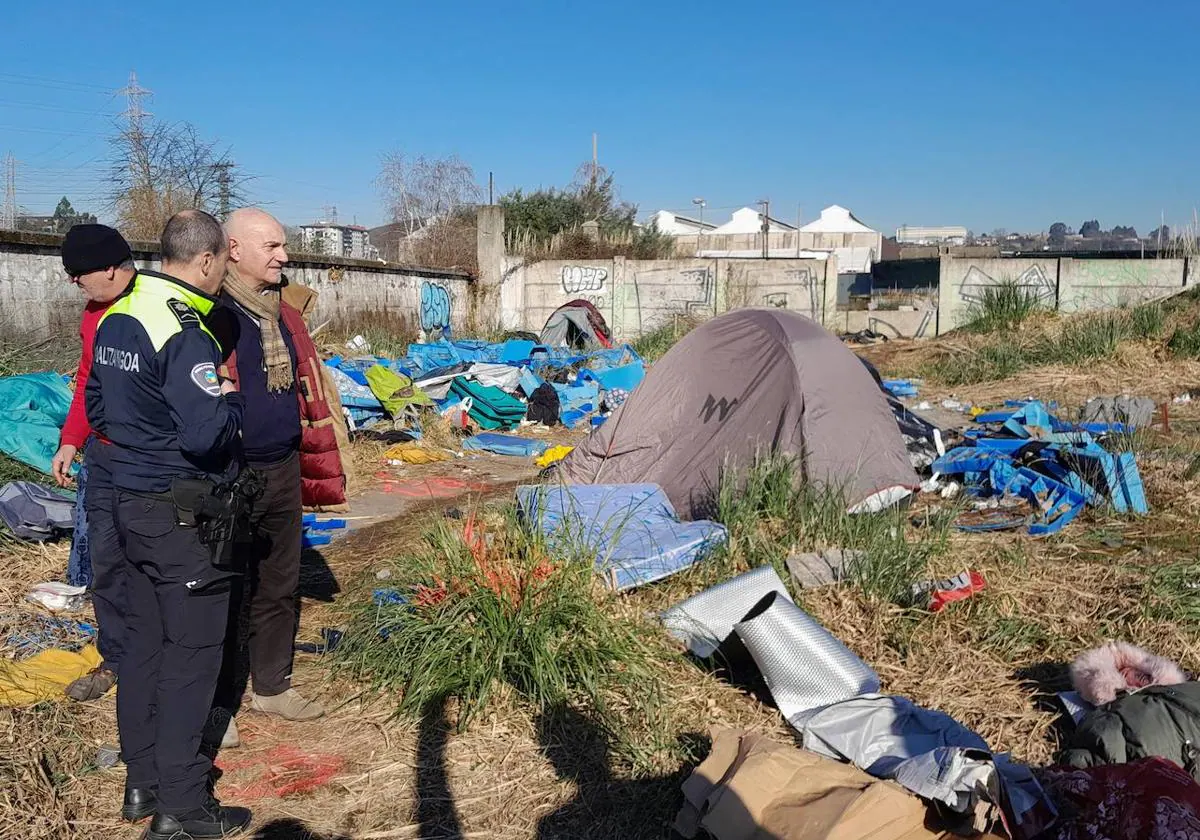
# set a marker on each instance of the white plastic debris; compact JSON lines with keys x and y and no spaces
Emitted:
{"x":358,"y":343}
{"x":1182,"y":399}
{"x":58,"y":596}
{"x":924,"y":405}
{"x":953,"y":405}
{"x":951,"y":490}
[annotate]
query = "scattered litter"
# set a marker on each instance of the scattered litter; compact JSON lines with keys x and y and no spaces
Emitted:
{"x":59,"y":597}
{"x":953,"y":405}
{"x":817,"y":569}
{"x":383,"y":574}
{"x":937,"y":594}
{"x":32,"y":633}
{"x":359,"y":344}
{"x":901,"y":387}
{"x":630,"y":531}
{"x":1183,"y":399}
{"x":388,"y":597}
{"x":331,"y":637}
{"x":44,"y":676}
{"x":923,"y":405}
{"x":1134,"y":412}
{"x":108,"y":756}
{"x":553,"y":455}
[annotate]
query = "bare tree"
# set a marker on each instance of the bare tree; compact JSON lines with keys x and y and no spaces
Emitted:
{"x":161,"y":169}
{"x":418,"y":190}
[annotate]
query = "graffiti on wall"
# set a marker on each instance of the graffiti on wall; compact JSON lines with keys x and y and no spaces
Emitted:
{"x":702,"y":282}
{"x":1034,"y":280}
{"x":583,"y":278}
{"x":435,"y":307}
{"x":805,"y":281}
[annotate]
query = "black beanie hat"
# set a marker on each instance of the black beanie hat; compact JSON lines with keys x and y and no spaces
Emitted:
{"x":93,"y":247}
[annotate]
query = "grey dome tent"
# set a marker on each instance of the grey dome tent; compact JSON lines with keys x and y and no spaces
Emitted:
{"x":577,"y":324}
{"x":749,"y":382}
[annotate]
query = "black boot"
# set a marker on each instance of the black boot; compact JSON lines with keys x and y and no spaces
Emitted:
{"x":139,"y":804}
{"x":209,"y":822}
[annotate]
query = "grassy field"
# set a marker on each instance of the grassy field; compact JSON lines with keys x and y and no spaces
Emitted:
{"x":521,"y":700}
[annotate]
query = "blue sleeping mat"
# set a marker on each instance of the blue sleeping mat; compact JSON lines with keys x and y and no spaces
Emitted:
{"x":630,"y":530}
{"x":505,"y":444}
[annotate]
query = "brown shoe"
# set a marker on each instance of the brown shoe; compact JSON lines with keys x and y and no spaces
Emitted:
{"x":92,"y":685}
{"x":289,"y":706}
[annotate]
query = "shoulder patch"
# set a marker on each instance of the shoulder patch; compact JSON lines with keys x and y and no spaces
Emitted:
{"x":186,"y":316}
{"x":205,"y":377}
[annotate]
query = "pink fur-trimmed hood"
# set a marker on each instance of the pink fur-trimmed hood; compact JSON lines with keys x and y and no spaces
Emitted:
{"x":1102,"y":673}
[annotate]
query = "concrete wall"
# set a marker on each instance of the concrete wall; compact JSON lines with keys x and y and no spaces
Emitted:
{"x":36,"y":297}
{"x":1064,"y":283}
{"x":637,"y":296}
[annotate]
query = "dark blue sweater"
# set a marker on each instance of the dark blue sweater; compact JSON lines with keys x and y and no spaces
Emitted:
{"x":271,"y":422}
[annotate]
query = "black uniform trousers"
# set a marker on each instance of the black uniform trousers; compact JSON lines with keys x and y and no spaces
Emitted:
{"x":263,"y":609}
{"x":168,"y":673}
{"x":108,"y":561}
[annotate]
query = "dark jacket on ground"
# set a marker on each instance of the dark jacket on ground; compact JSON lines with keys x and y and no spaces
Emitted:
{"x":1159,"y":721}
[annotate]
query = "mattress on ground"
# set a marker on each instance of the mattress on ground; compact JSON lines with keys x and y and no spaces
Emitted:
{"x":630,"y":530}
{"x":491,"y":408}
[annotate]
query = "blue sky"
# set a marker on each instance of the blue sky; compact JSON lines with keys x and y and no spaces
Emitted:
{"x":988,"y":115}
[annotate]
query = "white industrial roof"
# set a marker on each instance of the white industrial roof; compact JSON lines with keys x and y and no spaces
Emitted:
{"x":749,"y":220}
{"x":836,"y":219}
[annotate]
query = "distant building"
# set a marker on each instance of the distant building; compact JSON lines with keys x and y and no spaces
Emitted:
{"x":334,"y":240}
{"x":749,"y":220}
{"x":856,"y":245}
{"x":674,"y":224}
{"x":916,"y":235}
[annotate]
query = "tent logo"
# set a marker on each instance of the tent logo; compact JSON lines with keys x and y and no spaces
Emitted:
{"x":712,"y":406}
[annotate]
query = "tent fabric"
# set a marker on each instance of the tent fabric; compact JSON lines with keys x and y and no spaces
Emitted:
{"x":749,"y":382}
{"x":577,"y":324}
{"x":34,"y":512}
{"x":631,"y":530}
{"x":33,"y":408}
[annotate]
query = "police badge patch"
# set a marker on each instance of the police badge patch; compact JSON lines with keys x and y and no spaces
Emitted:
{"x":205,"y":377}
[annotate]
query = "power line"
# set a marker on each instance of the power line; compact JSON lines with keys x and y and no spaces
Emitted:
{"x":41,"y":106}
{"x":42,"y":81}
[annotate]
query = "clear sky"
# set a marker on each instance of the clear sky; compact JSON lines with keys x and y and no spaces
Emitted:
{"x":988,"y":115}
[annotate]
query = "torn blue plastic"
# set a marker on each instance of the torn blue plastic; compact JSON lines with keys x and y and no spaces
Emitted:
{"x":900,"y":387}
{"x":965,"y":459}
{"x":1031,"y":420}
{"x":1055,"y":504}
{"x":518,"y":447}
{"x":630,"y":531}
{"x":308,"y":540}
{"x":1008,"y":446}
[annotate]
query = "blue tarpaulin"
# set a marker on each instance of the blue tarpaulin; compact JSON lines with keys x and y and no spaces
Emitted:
{"x":33,"y":408}
{"x":631,"y":530}
{"x":505,"y":444}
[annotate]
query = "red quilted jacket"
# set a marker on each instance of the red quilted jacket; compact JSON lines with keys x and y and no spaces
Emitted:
{"x":322,"y":477}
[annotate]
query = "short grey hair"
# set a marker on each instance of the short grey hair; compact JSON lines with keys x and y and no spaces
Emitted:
{"x":128,"y":265}
{"x":190,"y":233}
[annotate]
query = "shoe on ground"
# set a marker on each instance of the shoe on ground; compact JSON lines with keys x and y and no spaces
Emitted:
{"x":209,"y":822}
{"x":139,"y":803}
{"x":93,"y":685}
{"x":289,"y":706}
{"x":221,"y":729}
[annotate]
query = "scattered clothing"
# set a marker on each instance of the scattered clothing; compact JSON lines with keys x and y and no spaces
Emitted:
{"x":400,"y":397}
{"x":34,"y":512}
{"x":79,"y":561}
{"x":1162,"y":720}
{"x":553,"y":455}
{"x":1150,"y":799}
{"x":751,"y":788}
{"x":1134,"y":412}
{"x":93,"y":685}
{"x":412,"y":452}
{"x":44,"y":676}
{"x":1101,"y":674}
{"x":544,"y":406}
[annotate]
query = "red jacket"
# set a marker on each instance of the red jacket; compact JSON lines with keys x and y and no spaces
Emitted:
{"x":322,"y":478}
{"x":76,"y":430}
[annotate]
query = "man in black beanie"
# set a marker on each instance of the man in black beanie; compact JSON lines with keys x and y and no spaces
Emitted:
{"x":98,"y":260}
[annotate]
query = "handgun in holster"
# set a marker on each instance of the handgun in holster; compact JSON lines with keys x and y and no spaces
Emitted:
{"x":220,"y":511}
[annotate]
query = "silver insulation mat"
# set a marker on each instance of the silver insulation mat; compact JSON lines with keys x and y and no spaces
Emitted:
{"x":707,"y":619}
{"x":802,"y":663}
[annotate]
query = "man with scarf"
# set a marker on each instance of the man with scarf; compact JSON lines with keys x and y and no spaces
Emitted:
{"x":288,"y":436}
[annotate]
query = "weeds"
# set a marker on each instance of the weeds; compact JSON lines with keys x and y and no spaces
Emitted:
{"x":482,"y":609}
{"x":1185,"y":341}
{"x":769,"y":517}
{"x":1003,"y":307}
{"x":655,"y":344}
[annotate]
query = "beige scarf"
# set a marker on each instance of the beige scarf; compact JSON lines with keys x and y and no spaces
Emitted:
{"x":265,"y":307}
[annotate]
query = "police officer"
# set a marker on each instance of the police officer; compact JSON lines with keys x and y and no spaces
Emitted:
{"x":155,"y":394}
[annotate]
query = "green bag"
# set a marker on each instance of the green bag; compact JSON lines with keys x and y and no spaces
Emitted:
{"x":401,"y":398}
